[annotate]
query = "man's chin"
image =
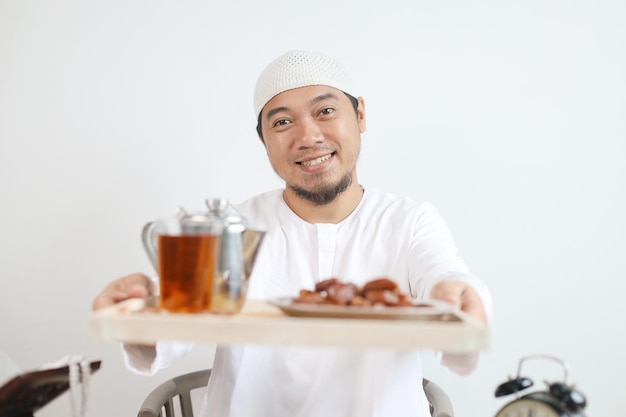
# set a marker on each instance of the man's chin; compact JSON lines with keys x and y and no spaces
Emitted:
{"x":322,"y":195}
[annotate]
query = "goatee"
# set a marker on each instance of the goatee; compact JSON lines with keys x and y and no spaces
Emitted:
{"x":323,"y":195}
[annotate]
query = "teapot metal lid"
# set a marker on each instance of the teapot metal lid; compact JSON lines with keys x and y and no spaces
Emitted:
{"x":219,"y":214}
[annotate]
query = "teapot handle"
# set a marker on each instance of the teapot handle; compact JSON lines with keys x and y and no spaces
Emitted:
{"x":148,"y":238}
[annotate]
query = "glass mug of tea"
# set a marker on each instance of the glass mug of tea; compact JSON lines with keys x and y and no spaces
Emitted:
{"x":204,"y":260}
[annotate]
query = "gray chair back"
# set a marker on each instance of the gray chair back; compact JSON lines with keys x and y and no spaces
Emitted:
{"x":161,"y":401}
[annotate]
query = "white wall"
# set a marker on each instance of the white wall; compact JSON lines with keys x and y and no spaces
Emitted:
{"x":509,"y":117}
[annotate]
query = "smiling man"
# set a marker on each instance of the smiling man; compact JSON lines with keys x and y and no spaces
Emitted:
{"x":324,"y":224}
{"x":311,"y":127}
{"x":312,"y":137}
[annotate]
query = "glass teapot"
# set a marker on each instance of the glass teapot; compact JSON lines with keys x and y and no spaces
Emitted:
{"x":204,"y":260}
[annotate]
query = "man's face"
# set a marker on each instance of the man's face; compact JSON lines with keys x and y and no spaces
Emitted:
{"x":313,"y":139}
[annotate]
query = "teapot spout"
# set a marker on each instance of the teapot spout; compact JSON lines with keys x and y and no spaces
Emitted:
{"x":252,"y":240}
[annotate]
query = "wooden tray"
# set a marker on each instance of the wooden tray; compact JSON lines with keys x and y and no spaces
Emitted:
{"x":264,"y":322}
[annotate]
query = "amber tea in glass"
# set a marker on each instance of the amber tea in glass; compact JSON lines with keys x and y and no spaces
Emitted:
{"x":186,"y":268}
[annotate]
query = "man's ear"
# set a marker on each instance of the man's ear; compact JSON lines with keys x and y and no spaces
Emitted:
{"x":360,"y":114}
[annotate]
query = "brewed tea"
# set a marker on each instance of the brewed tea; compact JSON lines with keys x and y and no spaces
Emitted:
{"x":186,"y":267}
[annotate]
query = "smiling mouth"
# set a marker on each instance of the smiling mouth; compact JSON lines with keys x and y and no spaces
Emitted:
{"x":316,"y":160}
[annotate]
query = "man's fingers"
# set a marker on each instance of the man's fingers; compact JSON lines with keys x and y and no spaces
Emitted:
{"x":131,"y":286}
{"x":473,"y":305}
{"x":448,"y":291}
{"x":462,"y":296}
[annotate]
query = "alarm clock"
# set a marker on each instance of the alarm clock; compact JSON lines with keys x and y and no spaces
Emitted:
{"x":559,"y":399}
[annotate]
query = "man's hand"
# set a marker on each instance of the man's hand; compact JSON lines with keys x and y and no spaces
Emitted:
{"x":461,"y":295}
{"x":130,"y":286}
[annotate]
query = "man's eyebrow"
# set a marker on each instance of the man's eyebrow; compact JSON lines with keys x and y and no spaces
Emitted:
{"x":323,"y":97}
{"x":314,"y":100}
{"x":274,"y":111}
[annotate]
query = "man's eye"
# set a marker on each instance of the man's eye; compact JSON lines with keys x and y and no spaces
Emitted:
{"x":327,"y":111}
{"x":281,"y":122}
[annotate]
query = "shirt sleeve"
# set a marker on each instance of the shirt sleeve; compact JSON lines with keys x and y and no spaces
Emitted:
{"x":435,"y":258}
{"x":148,"y":360}
{"x":433,"y":252}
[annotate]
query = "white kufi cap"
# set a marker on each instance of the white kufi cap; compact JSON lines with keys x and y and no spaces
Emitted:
{"x":296,"y":69}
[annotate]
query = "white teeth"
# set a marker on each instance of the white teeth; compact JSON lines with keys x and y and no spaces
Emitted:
{"x":316,"y":161}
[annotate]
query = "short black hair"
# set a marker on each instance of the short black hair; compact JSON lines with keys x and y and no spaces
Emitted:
{"x":353,"y":100}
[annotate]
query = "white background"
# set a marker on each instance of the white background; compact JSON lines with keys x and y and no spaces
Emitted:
{"x":509,"y":116}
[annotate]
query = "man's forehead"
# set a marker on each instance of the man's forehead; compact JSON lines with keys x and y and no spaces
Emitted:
{"x":310,"y":94}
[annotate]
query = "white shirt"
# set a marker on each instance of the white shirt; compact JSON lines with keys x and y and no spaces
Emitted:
{"x":385,"y":236}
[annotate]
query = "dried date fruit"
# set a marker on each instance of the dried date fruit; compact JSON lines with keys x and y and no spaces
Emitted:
{"x":380,"y":284}
{"x":310,"y":297}
{"x":341,"y":293}
{"x":377,"y":292}
{"x":382,"y":297}
{"x":323,"y":285}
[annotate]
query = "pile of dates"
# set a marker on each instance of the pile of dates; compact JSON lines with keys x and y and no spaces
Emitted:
{"x":377,"y":292}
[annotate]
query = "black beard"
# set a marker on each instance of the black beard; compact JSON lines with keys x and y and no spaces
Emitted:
{"x":325,"y":195}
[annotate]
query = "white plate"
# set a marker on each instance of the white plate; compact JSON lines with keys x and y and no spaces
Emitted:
{"x":428,"y":310}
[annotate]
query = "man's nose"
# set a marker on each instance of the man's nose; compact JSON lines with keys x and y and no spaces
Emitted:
{"x":308,"y":133}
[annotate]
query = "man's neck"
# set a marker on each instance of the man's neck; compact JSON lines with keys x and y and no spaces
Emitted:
{"x":333,"y":212}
